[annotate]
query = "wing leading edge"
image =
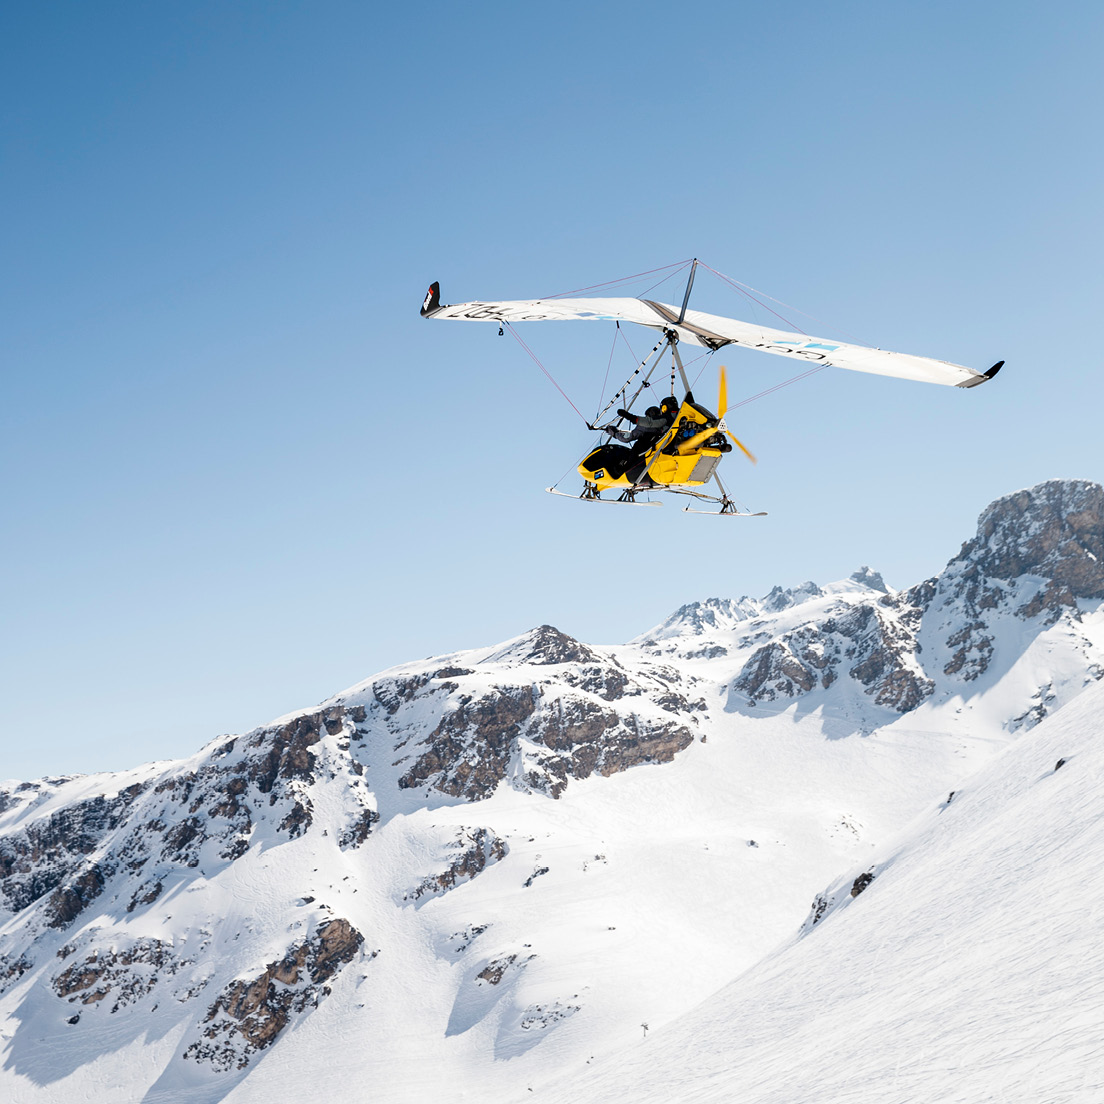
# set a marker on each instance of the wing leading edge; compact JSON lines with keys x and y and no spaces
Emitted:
{"x":711,"y":331}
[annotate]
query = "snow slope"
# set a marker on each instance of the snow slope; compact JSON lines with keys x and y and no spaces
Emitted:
{"x":966,"y":971}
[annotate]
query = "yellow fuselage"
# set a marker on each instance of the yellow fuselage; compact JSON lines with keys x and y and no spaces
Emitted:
{"x":687,"y":463}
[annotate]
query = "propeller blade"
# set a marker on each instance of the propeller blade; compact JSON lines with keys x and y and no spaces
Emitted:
{"x":722,"y":396}
{"x":740,"y":446}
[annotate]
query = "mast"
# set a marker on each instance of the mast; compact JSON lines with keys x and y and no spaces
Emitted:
{"x":686,"y":297}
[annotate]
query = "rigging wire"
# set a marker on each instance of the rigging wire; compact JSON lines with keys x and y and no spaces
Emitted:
{"x":708,"y":352}
{"x":744,"y":289}
{"x":644,"y":383}
{"x":664,"y":280}
{"x":627,"y":345}
{"x":563,"y":477}
{"x":622,"y":280}
{"x":551,"y":379}
{"x":778,"y":386}
{"x":609,"y":363}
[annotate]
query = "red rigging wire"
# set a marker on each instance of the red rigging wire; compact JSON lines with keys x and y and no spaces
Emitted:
{"x":778,"y":386}
{"x":658,"y":283}
{"x":517,"y":337}
{"x":746,"y":293}
{"x":622,"y":280}
{"x":627,"y":345}
{"x":745,"y":289}
{"x":609,"y":364}
{"x":700,"y":370}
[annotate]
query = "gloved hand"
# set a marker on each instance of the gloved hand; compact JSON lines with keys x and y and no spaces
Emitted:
{"x":623,"y":414}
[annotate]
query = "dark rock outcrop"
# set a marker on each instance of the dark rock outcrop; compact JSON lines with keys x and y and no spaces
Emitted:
{"x":49,"y":851}
{"x":249,"y":1015}
{"x":470,"y":748}
{"x":874,"y":649}
{"x":474,"y":850}
{"x":124,"y":975}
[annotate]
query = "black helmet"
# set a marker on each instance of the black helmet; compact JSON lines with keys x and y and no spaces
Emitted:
{"x":670,"y":405}
{"x":652,"y":412}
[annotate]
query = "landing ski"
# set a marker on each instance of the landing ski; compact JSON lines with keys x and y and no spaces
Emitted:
{"x":723,"y":513}
{"x":600,"y":501}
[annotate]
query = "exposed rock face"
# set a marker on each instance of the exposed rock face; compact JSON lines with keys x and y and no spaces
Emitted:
{"x":472,"y":851}
{"x":1055,"y":530}
{"x":121,"y":976}
{"x":862,"y":641}
{"x":392,"y":693}
{"x":1036,"y":553}
{"x":885,"y":654}
{"x":1046,"y":543}
{"x":780,"y":599}
{"x":249,"y":1015}
{"x":579,"y":718}
{"x":494,"y":971}
{"x":68,"y":901}
{"x":867,"y":577}
{"x":696,"y":618}
{"x":187,"y":818}
{"x":12,"y":968}
{"x":973,"y":651}
{"x":48,"y":852}
{"x":588,"y":738}
{"x":471,"y":746}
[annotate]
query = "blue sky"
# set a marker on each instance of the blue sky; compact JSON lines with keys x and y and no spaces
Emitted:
{"x":241,"y":473}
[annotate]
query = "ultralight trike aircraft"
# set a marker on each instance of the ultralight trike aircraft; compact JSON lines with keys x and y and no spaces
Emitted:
{"x":686,"y":442}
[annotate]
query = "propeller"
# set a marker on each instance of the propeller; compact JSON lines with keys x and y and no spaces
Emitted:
{"x":722,"y":406}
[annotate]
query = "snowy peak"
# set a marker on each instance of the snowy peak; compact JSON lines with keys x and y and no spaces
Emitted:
{"x":1023,"y":596}
{"x":867,"y":577}
{"x":699,"y":618}
{"x":779,"y":599}
{"x":1054,"y":530}
{"x":1024,"y":593}
{"x":542,"y":645}
{"x":716,"y":616}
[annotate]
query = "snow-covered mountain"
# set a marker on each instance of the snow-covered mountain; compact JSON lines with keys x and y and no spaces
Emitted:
{"x":469,"y":875}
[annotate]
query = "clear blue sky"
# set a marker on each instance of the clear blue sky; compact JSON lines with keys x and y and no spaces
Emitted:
{"x":241,"y":473}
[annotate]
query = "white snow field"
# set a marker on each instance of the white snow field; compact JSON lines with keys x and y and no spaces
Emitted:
{"x":969,"y":970}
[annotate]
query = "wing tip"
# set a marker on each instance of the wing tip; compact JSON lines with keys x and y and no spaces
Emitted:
{"x":982,"y":377}
{"x":432,"y":302}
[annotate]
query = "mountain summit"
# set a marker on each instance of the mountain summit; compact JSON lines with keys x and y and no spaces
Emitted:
{"x":467,"y":873}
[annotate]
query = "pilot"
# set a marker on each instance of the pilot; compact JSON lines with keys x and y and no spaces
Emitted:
{"x":648,"y":427}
